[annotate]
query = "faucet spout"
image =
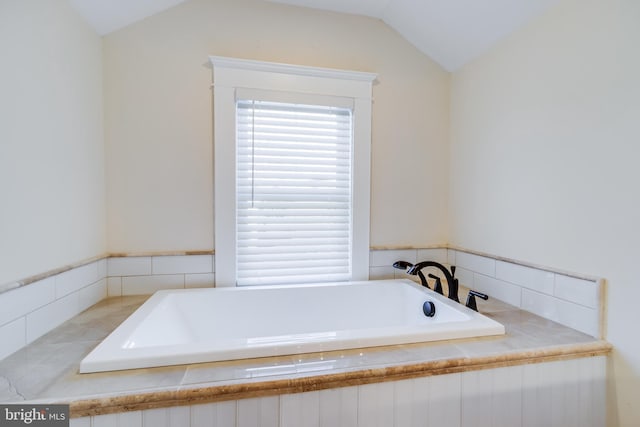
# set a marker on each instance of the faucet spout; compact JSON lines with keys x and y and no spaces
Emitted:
{"x":402,"y":265}
{"x":452,"y":282}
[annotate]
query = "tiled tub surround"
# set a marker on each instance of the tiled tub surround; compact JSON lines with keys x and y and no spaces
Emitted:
{"x":539,"y":373}
{"x":143,"y":275}
{"x":32,"y":308}
{"x":36,"y":305}
{"x":574,"y":301}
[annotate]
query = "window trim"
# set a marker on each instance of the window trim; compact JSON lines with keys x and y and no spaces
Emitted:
{"x":230,"y":74}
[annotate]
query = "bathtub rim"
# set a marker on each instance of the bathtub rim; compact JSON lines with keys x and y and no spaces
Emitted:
{"x":102,"y":359}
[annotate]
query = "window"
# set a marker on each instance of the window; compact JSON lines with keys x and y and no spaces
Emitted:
{"x":292,"y":153}
{"x":293,"y":193}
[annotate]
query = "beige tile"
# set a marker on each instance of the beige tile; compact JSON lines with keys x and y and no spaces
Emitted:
{"x":476,"y":263}
{"x":12,"y":337}
{"x":114,"y":286}
{"x":437,"y":255}
{"x":47,"y":368}
{"x":204,"y":280}
{"x":37,"y":367}
{"x":25,"y":299}
{"x":504,"y":291}
{"x":575,"y":316}
{"x":182,"y":264}
{"x":73,"y":384}
{"x":381,"y":273}
{"x":51,"y":315}
{"x":202,"y":373}
{"x":532,"y":278}
{"x":129,"y":266}
{"x":92,"y":294}
{"x":386,"y":258}
{"x":146,"y":285}
{"x":579,"y":291}
{"x":76,"y":279}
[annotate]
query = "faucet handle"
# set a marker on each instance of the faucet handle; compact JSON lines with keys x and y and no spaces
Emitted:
{"x":453,"y":271}
{"x":453,"y":291}
{"x":438,"y":286}
{"x":471,"y":299}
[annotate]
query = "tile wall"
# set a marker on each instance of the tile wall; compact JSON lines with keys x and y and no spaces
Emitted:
{"x":573,"y":301}
{"x":143,"y":275}
{"x":28,"y":312}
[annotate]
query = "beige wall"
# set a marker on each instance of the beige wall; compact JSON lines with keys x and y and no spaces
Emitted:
{"x":158,"y":118}
{"x":544,"y":139}
{"x":545,"y":149}
{"x":52,"y":183}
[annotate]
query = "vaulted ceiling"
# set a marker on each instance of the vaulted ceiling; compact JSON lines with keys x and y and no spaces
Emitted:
{"x":451,"y":32}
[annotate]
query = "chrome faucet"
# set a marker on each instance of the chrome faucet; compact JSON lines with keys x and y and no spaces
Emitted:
{"x":452,"y":282}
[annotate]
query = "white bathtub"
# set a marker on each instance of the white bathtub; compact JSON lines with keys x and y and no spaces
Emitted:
{"x":204,"y":325}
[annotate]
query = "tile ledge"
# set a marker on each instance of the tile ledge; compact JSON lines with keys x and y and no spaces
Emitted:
{"x":488,"y":255}
{"x":527,"y":264}
{"x":160,"y":253}
{"x":207,"y":394}
{"x":407,"y":247}
{"x":37,"y":277}
{"x":146,"y":389}
{"x":31,"y":279}
{"x":41,"y":276}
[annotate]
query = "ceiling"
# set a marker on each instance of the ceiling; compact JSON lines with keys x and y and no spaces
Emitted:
{"x":107,"y":16}
{"x":451,"y":32}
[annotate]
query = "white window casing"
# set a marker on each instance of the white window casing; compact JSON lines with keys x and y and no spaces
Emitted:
{"x":316,"y":97}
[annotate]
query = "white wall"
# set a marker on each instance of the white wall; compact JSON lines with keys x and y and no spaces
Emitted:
{"x":158,"y":118}
{"x":545,"y":148}
{"x":52,"y":197}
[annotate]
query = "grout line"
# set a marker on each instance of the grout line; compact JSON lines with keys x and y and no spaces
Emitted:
{"x":26,"y":281}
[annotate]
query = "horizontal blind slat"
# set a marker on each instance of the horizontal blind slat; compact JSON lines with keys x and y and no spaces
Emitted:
{"x":249,"y":259}
{"x":293,"y":279}
{"x":268,"y":250}
{"x":292,"y":271}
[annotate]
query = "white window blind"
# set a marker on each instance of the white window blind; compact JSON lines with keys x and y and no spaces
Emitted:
{"x":293,"y":192}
